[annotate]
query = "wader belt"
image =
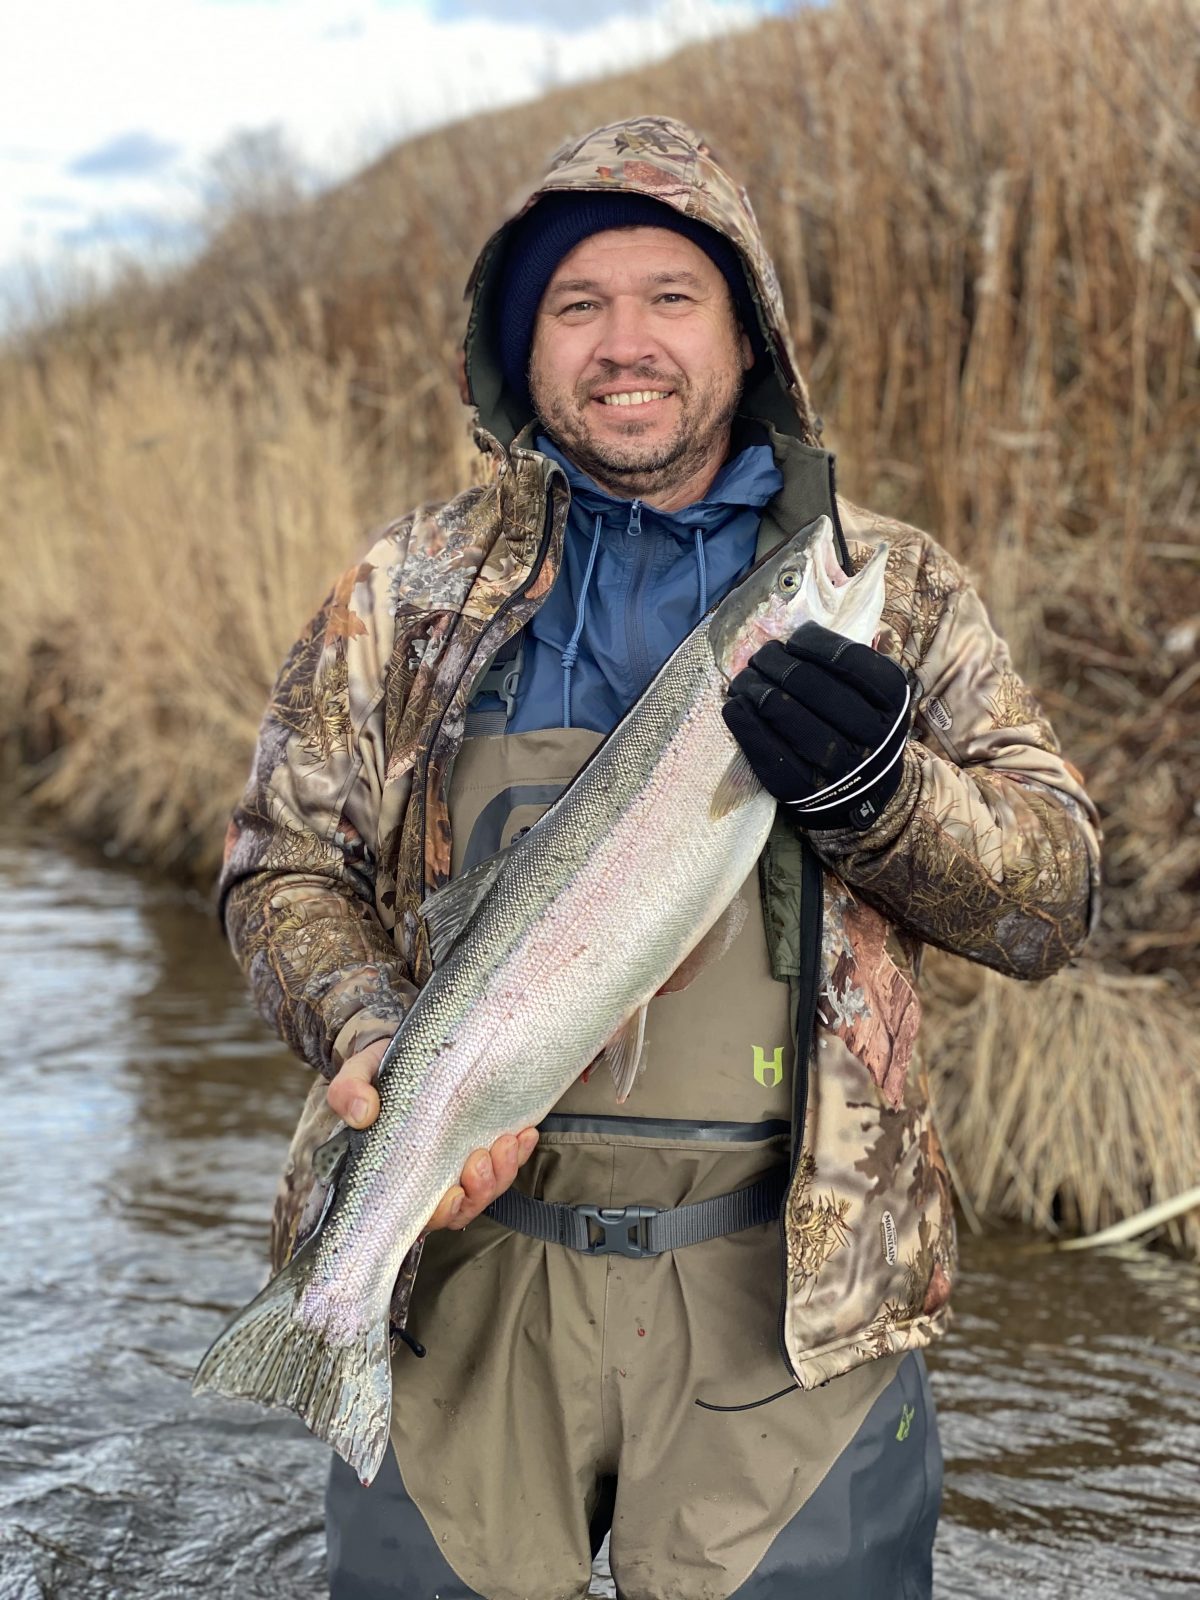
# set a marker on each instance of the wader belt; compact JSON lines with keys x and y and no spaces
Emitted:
{"x":640,"y":1230}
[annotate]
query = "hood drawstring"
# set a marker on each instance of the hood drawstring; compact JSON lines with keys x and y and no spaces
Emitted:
{"x":701,"y":570}
{"x":571,"y":653}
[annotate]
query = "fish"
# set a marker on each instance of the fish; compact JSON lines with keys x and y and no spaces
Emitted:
{"x":545,"y":959}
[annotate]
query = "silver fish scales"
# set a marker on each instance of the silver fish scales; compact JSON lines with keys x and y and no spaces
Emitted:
{"x":545,"y":959}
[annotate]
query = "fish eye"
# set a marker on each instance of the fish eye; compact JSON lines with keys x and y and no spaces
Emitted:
{"x":789,"y":580}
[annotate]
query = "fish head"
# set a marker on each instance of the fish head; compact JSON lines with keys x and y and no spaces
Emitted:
{"x":800,"y":582}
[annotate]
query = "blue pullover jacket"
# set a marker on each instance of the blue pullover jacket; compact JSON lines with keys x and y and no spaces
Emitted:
{"x":634,"y":582}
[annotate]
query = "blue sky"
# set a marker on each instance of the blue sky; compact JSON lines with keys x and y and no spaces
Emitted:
{"x":110,"y":117}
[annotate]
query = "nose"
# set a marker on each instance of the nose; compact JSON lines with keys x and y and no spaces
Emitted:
{"x":625,"y":337}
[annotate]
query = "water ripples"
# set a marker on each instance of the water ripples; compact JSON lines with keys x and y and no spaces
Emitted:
{"x":146,"y":1114}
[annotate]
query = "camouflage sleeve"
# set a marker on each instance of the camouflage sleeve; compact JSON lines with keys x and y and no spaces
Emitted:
{"x":990,"y":847}
{"x":296,"y":891}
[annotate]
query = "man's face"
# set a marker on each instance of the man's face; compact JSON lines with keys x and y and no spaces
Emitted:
{"x":637,"y":362}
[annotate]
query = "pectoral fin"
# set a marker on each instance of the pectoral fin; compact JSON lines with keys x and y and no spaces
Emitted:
{"x":623,"y":1053}
{"x":711,"y":948}
{"x":738,"y":784}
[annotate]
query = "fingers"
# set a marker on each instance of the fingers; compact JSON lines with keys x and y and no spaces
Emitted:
{"x":790,"y":748}
{"x":487,"y":1173}
{"x":446,"y":1215}
{"x":773,"y":759}
{"x":352,"y":1093}
{"x":853,"y":706}
{"x":872,"y":673}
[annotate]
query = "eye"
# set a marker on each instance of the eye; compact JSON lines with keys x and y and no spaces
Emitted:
{"x":789,"y":580}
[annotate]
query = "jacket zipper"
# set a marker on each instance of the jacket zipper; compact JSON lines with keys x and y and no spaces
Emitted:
{"x":807,"y":992}
{"x":635,"y":619}
{"x":812,"y":901}
{"x":842,"y":547}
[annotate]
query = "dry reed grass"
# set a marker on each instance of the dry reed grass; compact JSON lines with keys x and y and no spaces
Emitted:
{"x":984,"y":221}
{"x":1068,"y":1104}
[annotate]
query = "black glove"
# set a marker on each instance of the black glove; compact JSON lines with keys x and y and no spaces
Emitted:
{"x":823,"y":722}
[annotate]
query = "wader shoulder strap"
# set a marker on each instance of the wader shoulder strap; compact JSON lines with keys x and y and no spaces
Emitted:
{"x":641,"y":1230}
{"x":502,"y":677}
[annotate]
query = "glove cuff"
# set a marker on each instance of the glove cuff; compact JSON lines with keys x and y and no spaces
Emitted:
{"x":856,"y":800}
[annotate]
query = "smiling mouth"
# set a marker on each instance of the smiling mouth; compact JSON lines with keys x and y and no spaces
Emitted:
{"x":635,"y":397}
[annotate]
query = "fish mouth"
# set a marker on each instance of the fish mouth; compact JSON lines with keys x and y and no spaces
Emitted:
{"x":797,"y":582}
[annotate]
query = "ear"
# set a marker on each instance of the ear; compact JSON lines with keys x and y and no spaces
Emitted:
{"x":747,"y":352}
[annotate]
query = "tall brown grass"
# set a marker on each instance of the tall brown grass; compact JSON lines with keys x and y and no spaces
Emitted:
{"x":984,"y":218}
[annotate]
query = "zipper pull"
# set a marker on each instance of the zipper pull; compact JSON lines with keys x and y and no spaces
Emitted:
{"x":635,"y":519}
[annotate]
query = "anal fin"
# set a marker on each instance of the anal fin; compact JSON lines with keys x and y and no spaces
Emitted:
{"x":402,"y":1297}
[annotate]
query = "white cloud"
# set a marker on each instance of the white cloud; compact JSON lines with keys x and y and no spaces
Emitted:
{"x":340,"y":78}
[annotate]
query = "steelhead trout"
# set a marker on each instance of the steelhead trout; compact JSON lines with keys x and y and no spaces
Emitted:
{"x":546,"y":958}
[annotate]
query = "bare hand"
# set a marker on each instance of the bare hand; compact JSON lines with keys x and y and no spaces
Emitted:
{"x":487,"y":1173}
{"x":352,"y":1093}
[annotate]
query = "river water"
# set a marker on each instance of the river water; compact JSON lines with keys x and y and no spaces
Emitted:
{"x":145,"y":1113}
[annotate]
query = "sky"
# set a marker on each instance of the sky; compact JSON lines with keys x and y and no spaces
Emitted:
{"x":117,"y":122}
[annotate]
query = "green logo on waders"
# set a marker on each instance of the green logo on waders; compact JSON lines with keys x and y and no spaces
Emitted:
{"x":762,"y":1066}
{"x":906,"y":1416}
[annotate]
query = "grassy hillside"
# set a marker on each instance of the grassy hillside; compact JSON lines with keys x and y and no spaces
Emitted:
{"x":983,"y":218}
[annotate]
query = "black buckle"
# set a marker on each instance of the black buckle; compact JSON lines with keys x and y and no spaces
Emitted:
{"x":503,"y":677}
{"x":622,"y":1230}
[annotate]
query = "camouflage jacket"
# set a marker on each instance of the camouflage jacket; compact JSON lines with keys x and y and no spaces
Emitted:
{"x":987,"y":849}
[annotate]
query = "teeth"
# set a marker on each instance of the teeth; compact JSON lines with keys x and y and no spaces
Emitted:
{"x":639,"y":397}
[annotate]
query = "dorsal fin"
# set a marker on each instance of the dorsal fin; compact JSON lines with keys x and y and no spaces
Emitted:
{"x":446,"y":913}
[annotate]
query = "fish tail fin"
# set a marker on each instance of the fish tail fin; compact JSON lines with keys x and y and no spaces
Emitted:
{"x":341,"y":1390}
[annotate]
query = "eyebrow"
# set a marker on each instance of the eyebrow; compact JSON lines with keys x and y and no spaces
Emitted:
{"x":655,"y":280}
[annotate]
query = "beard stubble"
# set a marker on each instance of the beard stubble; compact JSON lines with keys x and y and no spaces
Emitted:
{"x":622,"y":465}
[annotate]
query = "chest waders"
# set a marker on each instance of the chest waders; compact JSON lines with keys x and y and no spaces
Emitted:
{"x":632,"y":1271}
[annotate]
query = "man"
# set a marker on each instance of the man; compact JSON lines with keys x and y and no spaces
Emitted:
{"x":748,"y":1411}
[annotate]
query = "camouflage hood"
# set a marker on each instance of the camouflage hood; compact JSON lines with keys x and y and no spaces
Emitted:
{"x":665,"y":161}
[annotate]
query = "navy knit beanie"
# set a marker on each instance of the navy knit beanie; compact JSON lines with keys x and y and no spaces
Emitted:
{"x":555,"y":225}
